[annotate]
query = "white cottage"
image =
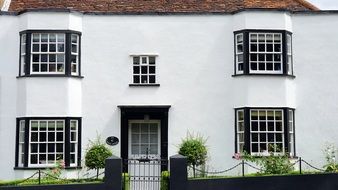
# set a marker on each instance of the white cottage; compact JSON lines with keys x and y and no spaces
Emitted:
{"x":244,"y":73}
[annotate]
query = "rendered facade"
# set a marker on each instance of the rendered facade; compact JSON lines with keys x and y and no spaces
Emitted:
{"x":245,"y":78}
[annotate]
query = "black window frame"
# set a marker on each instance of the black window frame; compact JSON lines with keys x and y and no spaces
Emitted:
{"x":68,"y":52}
{"x":246,"y":53}
{"x":247,"y":132}
{"x":66,"y":141}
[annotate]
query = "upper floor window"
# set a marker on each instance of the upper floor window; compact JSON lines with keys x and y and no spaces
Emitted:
{"x":42,"y":142}
{"x":263,"y":52}
{"x":49,"y":53}
{"x":144,"y":70}
{"x":262,"y":130}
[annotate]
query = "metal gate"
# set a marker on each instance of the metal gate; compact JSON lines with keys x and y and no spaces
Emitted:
{"x":144,"y":174}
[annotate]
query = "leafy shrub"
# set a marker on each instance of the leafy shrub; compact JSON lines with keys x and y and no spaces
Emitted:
{"x":194,"y":148}
{"x":330,"y":152}
{"x":96,"y":155}
{"x":165,"y":180}
{"x":271,"y":163}
{"x":54,"y":173}
{"x":126,"y":179}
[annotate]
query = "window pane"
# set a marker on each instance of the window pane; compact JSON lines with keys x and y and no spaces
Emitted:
{"x":136,"y":79}
{"x":239,"y":38}
{"x":144,"y":149}
{"x":254,"y":126}
{"x":59,"y":136}
{"x":44,"y":37}
{"x":61,"y":47}
{"x":253,"y":37}
{"x":74,"y":38}
{"x":135,"y":138}
{"x":136,"y":60}
{"x":144,"y":138}
{"x":74,"y":48}
{"x":135,"y":149}
{"x":254,"y":147}
{"x":72,"y":159}
{"x":34,"y":137}
{"x":52,"y":48}
{"x":36,"y":37}
{"x":151,"y":69}
{"x":51,"y":158}
{"x":144,"y":60}
{"x":36,"y":48}
{"x":44,"y":47}
{"x":73,"y":125}
{"x":36,"y":58}
{"x":51,"y":136}
{"x":34,"y":148}
{"x":52,"y":37}
{"x":151,"y":60}
{"x":262,"y":126}
{"x":254,"y":137}
{"x":144,"y":79}
{"x":51,"y":147}
{"x":43,"y":67}
{"x":154,"y":138}
{"x":60,"y":37}
{"x":73,"y":58}
{"x":136,"y":69}
{"x":34,"y":159}
{"x":153,"y":149}
{"x":52,"y":58}
{"x":144,"y":69}
{"x":241,"y":126}
{"x":152,"y":79}
{"x":52,"y":68}
{"x":60,"y":67}
{"x":72,"y":147}
{"x":59,"y":147}
{"x":42,"y":147}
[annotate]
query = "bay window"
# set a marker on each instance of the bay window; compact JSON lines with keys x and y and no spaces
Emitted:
{"x":263,"y":52}
{"x":42,"y":142}
{"x":262,"y":130}
{"x":49,"y":53}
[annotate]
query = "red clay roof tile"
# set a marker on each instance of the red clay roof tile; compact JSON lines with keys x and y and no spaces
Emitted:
{"x":160,"y":6}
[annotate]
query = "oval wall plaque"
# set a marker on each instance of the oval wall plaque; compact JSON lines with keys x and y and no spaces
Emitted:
{"x":112,"y":140}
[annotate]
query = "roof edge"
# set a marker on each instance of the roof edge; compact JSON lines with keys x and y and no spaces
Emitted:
{"x":61,"y":10}
{"x":308,"y":5}
{"x":66,"y":10}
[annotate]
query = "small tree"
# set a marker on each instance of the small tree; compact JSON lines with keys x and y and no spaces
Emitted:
{"x":194,"y":148}
{"x":96,"y":155}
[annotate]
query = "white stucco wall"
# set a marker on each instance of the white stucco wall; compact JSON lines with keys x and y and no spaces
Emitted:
{"x":194,"y":67}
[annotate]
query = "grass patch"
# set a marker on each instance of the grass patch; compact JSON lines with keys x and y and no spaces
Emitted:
{"x":49,"y":182}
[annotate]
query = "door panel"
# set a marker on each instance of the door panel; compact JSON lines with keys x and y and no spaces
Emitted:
{"x":144,"y":164}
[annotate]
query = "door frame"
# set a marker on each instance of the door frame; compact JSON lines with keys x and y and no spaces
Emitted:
{"x":158,"y":112}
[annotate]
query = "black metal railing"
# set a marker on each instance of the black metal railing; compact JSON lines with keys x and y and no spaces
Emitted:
{"x":300,"y":162}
